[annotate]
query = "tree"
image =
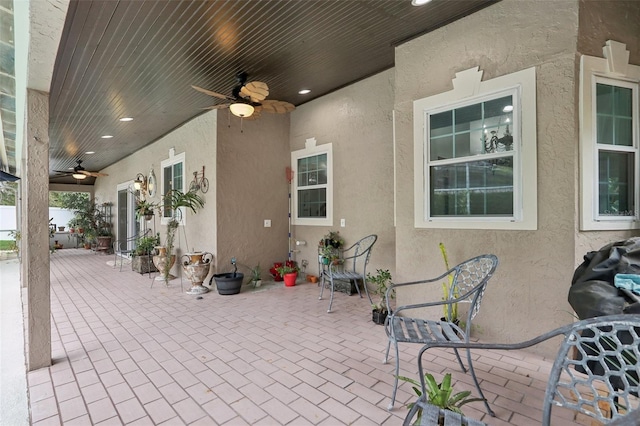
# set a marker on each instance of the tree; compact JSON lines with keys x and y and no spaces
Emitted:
{"x":8,"y":192}
{"x":68,"y":200}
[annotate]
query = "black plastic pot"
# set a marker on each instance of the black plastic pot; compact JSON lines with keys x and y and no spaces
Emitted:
{"x":228,"y":283}
{"x":378,"y":317}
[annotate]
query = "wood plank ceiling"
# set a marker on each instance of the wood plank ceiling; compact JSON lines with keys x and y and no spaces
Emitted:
{"x":134,"y":58}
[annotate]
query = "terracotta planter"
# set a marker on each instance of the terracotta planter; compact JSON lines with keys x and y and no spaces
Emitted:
{"x":290,"y":279}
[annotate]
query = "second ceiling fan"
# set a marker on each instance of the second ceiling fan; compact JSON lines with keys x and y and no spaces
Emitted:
{"x":248,"y":100}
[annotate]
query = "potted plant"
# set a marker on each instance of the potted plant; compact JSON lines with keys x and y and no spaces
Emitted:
{"x":382,"y":281}
{"x":141,"y":261}
{"x":172,"y":201}
{"x":332,"y":239}
{"x":439,"y":394}
{"x":289,"y":272}
{"x":144,"y":209}
{"x":255,"y":275}
{"x":230,"y":282}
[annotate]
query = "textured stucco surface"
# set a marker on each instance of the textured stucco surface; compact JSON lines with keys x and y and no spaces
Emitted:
{"x":601,"y":21}
{"x":252,"y":187}
{"x":197,"y":139}
{"x":609,"y":20}
{"x":527,"y":296}
{"x":35,"y":231}
{"x":357,"y":120}
{"x":246,"y":172}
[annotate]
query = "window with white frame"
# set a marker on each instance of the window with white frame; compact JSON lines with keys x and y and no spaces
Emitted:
{"x":173,"y":178}
{"x":470,"y":149}
{"x":609,"y":141}
{"x":312,"y":196}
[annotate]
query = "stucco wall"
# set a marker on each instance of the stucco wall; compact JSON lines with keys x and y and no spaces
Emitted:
{"x":599,"y":22}
{"x":527,"y":296}
{"x":197,"y":139}
{"x":357,"y":120}
{"x":251,"y":187}
{"x":609,"y":20}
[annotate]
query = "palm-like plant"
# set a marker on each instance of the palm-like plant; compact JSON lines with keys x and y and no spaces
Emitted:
{"x":172,"y":201}
{"x":440,"y":394}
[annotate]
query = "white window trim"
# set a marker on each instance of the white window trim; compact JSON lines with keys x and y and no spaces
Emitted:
{"x":467,"y":86}
{"x":312,"y":149}
{"x":173,"y":159}
{"x":614,"y":66}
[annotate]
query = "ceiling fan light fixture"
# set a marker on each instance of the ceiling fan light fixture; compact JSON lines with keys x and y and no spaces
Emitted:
{"x":79,"y":176}
{"x":241,"y":110}
{"x":419,"y":2}
{"x":304,"y":91}
{"x":126,"y":119}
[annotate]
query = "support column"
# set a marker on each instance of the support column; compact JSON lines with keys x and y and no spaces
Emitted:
{"x":35,"y":230}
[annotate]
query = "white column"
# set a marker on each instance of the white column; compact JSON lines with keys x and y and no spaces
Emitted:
{"x":35,"y":230}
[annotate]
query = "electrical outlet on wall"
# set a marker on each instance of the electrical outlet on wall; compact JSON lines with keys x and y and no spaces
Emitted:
{"x":343,"y":222}
{"x":267,"y":223}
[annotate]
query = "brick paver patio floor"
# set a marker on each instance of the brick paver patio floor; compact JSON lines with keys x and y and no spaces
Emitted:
{"x":125,"y":353}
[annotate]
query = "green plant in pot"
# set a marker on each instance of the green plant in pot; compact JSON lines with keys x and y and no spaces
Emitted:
{"x":439,"y":394}
{"x":382,"y":281}
{"x":145,"y":248}
{"x":255,"y":275}
{"x":288,"y":271}
{"x":172,"y":201}
{"x":144,"y":208}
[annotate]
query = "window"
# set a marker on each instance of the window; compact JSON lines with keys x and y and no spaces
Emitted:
{"x":312,"y":185}
{"x":469,"y":148}
{"x":609,"y":141}
{"x":173,"y":178}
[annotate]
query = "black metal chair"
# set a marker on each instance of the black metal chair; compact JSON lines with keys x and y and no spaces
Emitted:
{"x":353,"y":267}
{"x":595,"y":372}
{"x":468,"y":282}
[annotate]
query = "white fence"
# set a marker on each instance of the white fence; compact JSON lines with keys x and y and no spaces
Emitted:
{"x":8,"y":219}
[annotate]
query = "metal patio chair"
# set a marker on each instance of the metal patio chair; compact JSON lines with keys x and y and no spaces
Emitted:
{"x":353,"y":267}
{"x":126,"y":246}
{"x":595,"y":372}
{"x":468,"y":283}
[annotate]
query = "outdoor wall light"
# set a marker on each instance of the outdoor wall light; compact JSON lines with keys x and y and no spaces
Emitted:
{"x":140,"y":183}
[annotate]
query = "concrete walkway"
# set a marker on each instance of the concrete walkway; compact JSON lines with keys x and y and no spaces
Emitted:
{"x":14,"y":409}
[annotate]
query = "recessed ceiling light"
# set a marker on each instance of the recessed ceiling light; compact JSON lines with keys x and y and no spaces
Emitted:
{"x":126,"y":119}
{"x":106,"y":137}
{"x":304,"y":91}
{"x":90,"y":152}
{"x":419,"y":2}
{"x":508,"y":108}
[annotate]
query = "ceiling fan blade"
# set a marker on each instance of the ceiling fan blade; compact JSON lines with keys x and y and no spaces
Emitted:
{"x":220,"y":106}
{"x":255,"y":90}
{"x":277,"y":107}
{"x":214,"y":94}
{"x":93,"y":174}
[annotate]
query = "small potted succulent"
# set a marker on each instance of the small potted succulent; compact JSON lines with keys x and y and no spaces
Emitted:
{"x":256,"y":275}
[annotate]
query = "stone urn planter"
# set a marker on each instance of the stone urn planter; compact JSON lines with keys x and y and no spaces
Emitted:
{"x":143,"y":264}
{"x":196,"y":268}
{"x":160,"y":260}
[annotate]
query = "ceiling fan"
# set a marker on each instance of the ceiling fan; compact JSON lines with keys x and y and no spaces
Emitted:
{"x":79,"y":172}
{"x":248,"y":99}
